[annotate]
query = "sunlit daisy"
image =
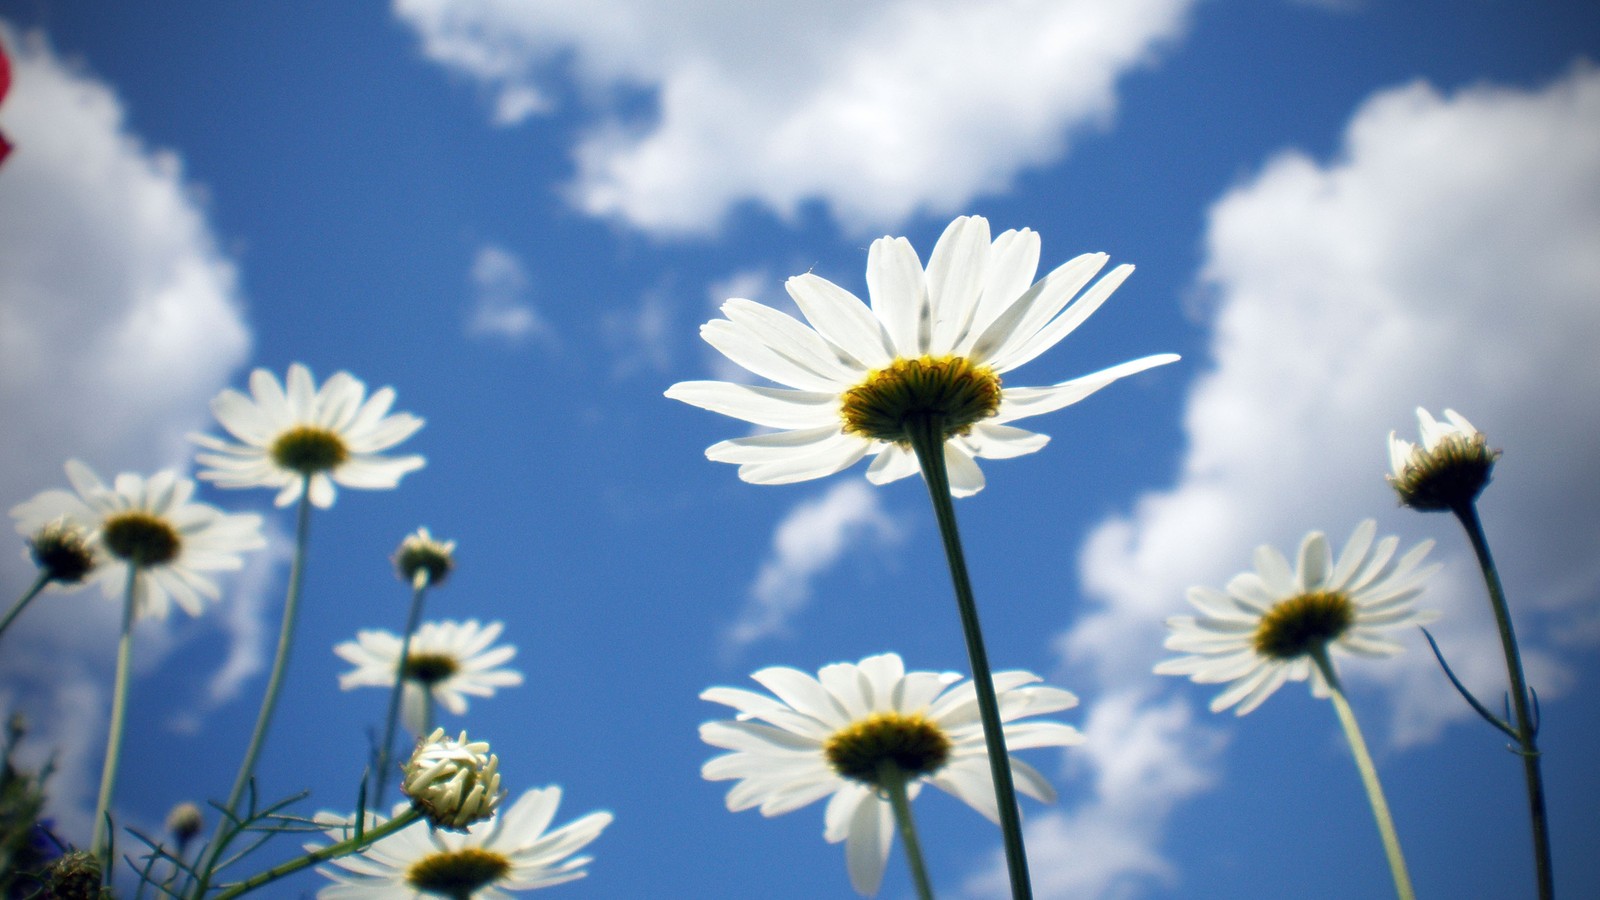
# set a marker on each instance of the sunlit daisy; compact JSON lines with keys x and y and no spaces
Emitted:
{"x":491,"y":860}
{"x":1267,"y":626}
{"x":929,"y":352}
{"x":827,"y":736}
{"x":1450,"y":468}
{"x":150,"y":524}
{"x":449,"y":660}
{"x":334,"y":435}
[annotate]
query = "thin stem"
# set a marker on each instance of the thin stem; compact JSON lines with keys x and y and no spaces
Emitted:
{"x":280,"y":662}
{"x":119,"y":708}
{"x":927,"y":439}
{"x":1369,"y":776}
{"x":100,"y":844}
{"x":381,"y":776}
{"x":1527,"y":726}
{"x":27,"y":597}
{"x":892,"y":779}
{"x":343,"y":848}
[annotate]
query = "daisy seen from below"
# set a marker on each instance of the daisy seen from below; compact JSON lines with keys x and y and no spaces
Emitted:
{"x":1268,"y":625}
{"x":929,"y":352}
{"x":511,"y":853}
{"x":1450,"y":468}
{"x":295,"y":437}
{"x":841,"y":733}
{"x":1278,"y":624}
{"x":149,"y":526}
{"x":446,"y":663}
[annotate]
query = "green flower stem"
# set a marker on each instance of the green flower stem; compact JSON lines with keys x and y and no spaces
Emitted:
{"x":1526,"y":727}
{"x":280,"y":662}
{"x":27,"y":597}
{"x":892,"y":779}
{"x":100,"y":845}
{"x":927,"y":439}
{"x":1369,"y":776}
{"x":343,"y":848}
{"x":381,"y":777}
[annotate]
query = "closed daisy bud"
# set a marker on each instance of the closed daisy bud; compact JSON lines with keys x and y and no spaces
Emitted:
{"x":1449,"y":469}
{"x":74,"y":876}
{"x":62,"y":549}
{"x":420,"y":556}
{"x":184,"y":822}
{"x":452,"y":781}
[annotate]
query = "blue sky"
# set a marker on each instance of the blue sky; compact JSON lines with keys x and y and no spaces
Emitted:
{"x":518,"y":214}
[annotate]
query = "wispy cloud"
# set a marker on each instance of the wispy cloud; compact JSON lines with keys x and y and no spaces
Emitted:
{"x":1445,"y":258}
{"x":852,"y":103}
{"x":500,"y":305}
{"x":811,"y":539}
{"x":119,"y":319}
{"x":640,"y":338}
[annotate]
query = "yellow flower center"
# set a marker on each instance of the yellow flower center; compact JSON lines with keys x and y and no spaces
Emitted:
{"x":309,"y":449}
{"x":1298,"y":625}
{"x":457,"y":873}
{"x":949,"y":388}
{"x":913,"y":743}
{"x":431,"y":668}
{"x":141,"y":538}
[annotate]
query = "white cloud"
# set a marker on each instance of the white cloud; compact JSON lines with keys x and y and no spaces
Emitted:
{"x":641,"y":338}
{"x":1141,"y":760}
{"x":1446,"y":258}
{"x":879,"y":109}
{"x":500,"y":306}
{"x":811,"y":539}
{"x":119,"y":320}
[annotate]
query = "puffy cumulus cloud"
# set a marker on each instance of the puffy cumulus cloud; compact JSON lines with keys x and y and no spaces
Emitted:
{"x":500,"y":305}
{"x":810,"y":540}
{"x":1140,"y":760}
{"x":1445,"y":259}
{"x":878,"y":109}
{"x":119,"y":320}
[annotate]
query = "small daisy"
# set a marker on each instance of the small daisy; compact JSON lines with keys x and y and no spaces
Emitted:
{"x":449,"y":659}
{"x":1450,"y":468}
{"x":335,"y":434}
{"x":827,"y":737}
{"x":490,"y":861}
{"x":928,"y":353}
{"x":151,"y":525}
{"x":423,"y":556}
{"x":1270,"y":624}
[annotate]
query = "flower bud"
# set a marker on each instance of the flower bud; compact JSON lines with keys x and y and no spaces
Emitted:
{"x":453,"y":782}
{"x":185,"y":822}
{"x":422,"y":557}
{"x":1449,"y":469}
{"x":62,"y":550}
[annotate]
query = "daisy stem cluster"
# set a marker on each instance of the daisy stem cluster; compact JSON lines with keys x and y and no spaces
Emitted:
{"x":927,"y":440}
{"x":380,"y":777}
{"x":100,"y":844}
{"x":361,"y":840}
{"x":892,"y":778}
{"x":280,"y":663}
{"x":1526,"y":726}
{"x":1369,"y":775}
{"x":38,"y":586}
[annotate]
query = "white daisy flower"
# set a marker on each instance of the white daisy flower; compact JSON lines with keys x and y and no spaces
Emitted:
{"x":827,"y":736}
{"x":1451,"y":467}
{"x":149,"y":524}
{"x":449,"y":660}
{"x":1264,"y":629}
{"x":929,"y":352}
{"x":491,"y":861}
{"x":335,"y":435}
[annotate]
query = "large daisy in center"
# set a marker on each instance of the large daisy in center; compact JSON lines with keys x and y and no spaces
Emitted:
{"x":930,"y":349}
